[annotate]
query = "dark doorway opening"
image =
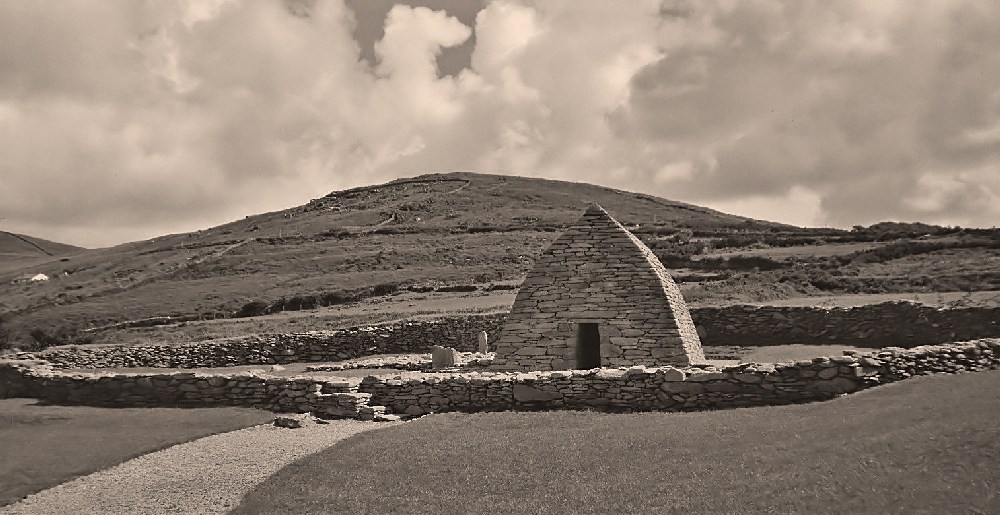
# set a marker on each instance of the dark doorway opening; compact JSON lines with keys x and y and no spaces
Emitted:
{"x":588,"y":346}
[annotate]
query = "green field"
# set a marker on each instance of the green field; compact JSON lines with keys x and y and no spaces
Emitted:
{"x":927,"y":445}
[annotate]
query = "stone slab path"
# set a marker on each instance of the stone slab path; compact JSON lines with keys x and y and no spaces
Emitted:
{"x":208,"y":475}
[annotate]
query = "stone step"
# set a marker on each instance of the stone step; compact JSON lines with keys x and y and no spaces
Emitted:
{"x":367,"y":412}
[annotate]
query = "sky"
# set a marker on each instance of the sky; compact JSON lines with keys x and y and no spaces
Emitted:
{"x":122,"y":120}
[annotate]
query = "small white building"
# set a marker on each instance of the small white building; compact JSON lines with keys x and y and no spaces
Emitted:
{"x":30,"y":278}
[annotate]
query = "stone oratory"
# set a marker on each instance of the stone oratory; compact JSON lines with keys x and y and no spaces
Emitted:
{"x":597,"y":297}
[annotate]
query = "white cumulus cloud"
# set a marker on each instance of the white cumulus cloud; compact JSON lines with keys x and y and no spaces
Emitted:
{"x":122,"y":120}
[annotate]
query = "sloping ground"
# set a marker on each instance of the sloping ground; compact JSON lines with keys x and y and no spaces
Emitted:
{"x":208,"y":475}
{"x":930,"y":445}
{"x":43,"y":446}
{"x":12,"y":244}
{"x":466,"y":230}
{"x":457,"y":228}
{"x":19,"y":253}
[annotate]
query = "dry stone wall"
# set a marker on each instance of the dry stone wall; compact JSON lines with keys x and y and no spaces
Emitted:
{"x":597,"y":272}
{"x":675,"y":389}
{"x":328,"y":398}
{"x":628,"y":389}
{"x":458,"y":332}
{"x":898,"y":324}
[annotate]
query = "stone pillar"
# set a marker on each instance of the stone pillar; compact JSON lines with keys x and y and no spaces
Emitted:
{"x":484,"y":345}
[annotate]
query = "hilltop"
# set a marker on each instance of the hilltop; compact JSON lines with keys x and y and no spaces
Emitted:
{"x":18,"y":251}
{"x":462,"y":231}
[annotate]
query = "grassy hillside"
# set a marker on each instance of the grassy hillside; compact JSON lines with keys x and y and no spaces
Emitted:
{"x":927,"y":445}
{"x":433,"y":230}
{"x":469,"y":231}
{"x":20,"y":252}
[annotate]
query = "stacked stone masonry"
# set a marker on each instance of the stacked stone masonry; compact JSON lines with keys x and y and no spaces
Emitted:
{"x":675,"y":389}
{"x":459,"y":332}
{"x":597,"y":273}
{"x":627,"y":389}
{"x":323,"y":397}
{"x":899,"y":324}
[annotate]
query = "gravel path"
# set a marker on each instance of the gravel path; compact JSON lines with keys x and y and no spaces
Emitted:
{"x":208,"y":475}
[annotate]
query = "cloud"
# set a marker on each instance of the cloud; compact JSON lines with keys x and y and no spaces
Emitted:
{"x":885,"y":111}
{"x":124,"y":120}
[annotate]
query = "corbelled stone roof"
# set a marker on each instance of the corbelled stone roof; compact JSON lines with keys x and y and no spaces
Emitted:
{"x":597,"y":272}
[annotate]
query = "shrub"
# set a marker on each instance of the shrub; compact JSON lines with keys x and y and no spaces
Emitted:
{"x":332,"y":298}
{"x":252,"y":309}
{"x":458,"y":287}
{"x":384,"y":289}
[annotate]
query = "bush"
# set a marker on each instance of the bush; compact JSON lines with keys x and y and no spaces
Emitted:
{"x":384,"y":289}
{"x":332,"y":298}
{"x":252,"y":309}
{"x":458,"y":287}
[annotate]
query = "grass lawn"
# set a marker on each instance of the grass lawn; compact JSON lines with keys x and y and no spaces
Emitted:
{"x":43,"y":446}
{"x":929,"y":445}
{"x":795,"y":352}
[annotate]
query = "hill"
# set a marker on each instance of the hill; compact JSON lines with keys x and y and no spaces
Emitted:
{"x":455,"y":228}
{"x":12,"y":244}
{"x":18,"y":251}
{"x":459,"y":231}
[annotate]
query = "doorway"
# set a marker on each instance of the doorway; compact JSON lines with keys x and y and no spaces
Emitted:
{"x":588,"y":346}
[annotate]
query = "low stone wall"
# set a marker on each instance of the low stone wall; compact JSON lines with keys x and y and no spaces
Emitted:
{"x":614,"y":390}
{"x":672,"y":389}
{"x":897,"y":324}
{"x":459,"y":332}
{"x":329,"y":398}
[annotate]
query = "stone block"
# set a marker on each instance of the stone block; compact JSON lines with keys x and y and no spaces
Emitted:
{"x":706,"y":376}
{"x":828,"y":373}
{"x":672,"y":374}
{"x":682,"y":387}
{"x":524,"y":393}
{"x":723,"y":387}
{"x":442,"y":357}
{"x":610,"y":350}
{"x":748,"y":378}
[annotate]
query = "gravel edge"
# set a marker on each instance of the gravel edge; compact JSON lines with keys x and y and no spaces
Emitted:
{"x":208,"y":475}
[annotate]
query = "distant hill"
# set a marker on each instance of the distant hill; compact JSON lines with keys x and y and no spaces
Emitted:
{"x":13,"y":244}
{"x":456,"y":230}
{"x":439,"y":229}
{"x":18,"y":251}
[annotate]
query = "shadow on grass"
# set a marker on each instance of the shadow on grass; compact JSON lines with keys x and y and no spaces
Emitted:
{"x":930,"y":444}
{"x":44,"y":445}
